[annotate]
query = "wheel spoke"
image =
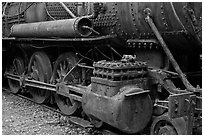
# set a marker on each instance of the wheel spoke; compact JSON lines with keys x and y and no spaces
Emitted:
{"x":15,"y":66}
{"x":59,"y":74}
{"x":67,"y":68}
{"x":64,"y":65}
{"x":61,"y":67}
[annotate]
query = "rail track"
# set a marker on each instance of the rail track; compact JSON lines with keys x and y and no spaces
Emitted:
{"x":75,"y":120}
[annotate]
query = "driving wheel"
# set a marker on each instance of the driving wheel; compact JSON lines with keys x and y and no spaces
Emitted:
{"x":63,"y":65}
{"x":40,"y":70}
{"x":16,"y":67}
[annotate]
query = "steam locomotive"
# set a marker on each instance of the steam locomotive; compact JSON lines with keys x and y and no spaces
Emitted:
{"x":134,"y":66}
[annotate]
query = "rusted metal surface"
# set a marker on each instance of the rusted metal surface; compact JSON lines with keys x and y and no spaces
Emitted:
{"x":167,"y":51}
{"x":110,"y":76}
{"x":60,"y":28}
{"x":130,"y":94}
{"x":179,"y":105}
{"x":167,"y":16}
{"x":128,"y":68}
{"x":119,"y":100}
{"x":129,"y":114}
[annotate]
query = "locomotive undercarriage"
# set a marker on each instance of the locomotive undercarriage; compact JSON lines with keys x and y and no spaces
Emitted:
{"x":66,"y":82}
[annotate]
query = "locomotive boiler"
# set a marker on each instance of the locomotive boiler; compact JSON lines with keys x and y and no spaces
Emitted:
{"x":133,"y":65}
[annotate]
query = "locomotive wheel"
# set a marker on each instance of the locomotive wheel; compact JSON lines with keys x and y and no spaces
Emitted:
{"x":16,"y":67}
{"x":167,"y":130}
{"x":40,"y":69}
{"x":163,"y":128}
{"x":64,"y":64}
{"x":66,"y":105}
{"x":162,"y":125}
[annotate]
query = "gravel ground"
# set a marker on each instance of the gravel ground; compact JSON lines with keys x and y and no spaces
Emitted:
{"x":22,"y":117}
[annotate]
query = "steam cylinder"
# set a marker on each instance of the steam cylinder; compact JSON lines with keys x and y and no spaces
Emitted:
{"x":67,"y":28}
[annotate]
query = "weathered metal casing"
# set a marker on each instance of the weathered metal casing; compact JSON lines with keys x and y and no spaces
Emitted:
{"x":130,"y":110}
{"x":58,"y":28}
{"x":128,"y":20}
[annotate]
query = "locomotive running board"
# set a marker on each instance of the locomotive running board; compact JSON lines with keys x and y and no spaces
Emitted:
{"x":98,"y":38}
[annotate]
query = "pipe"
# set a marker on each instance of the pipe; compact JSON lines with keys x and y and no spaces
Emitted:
{"x":167,"y":51}
{"x":67,"y":28}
